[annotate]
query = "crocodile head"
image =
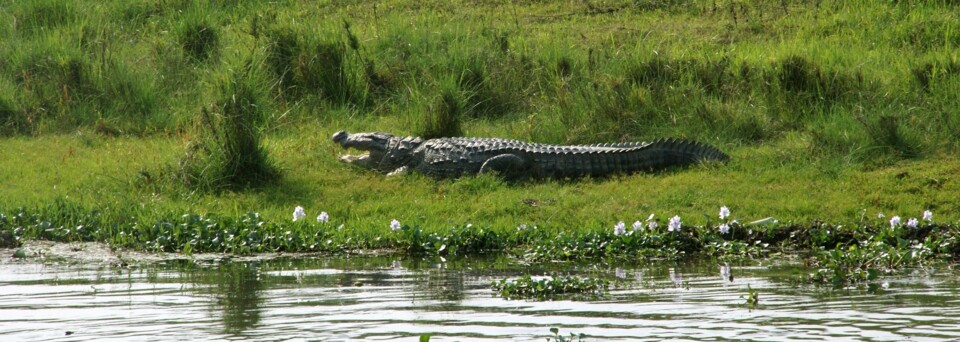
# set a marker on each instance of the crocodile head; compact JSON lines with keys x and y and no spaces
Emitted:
{"x":381,"y":151}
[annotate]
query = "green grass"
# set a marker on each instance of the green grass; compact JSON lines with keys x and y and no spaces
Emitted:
{"x":831,"y":110}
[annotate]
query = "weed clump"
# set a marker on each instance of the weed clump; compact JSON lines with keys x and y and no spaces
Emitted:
{"x":40,"y":16}
{"x":65,"y":88}
{"x":313,"y":67}
{"x":228,"y":153}
{"x":807,"y":80}
{"x":200,"y":41}
{"x":442,"y":119}
{"x":10,"y":119}
{"x":929,"y":73}
{"x":887,"y":135}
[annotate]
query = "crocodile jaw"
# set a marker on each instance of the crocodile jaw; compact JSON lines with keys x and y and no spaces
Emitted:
{"x":361,"y":159}
{"x":373,"y":147}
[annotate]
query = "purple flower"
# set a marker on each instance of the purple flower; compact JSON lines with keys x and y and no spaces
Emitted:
{"x":619,"y":228}
{"x":323,"y":218}
{"x":912,"y":222}
{"x":298,"y":213}
{"x":928,"y":216}
{"x":724,"y":212}
{"x":637,"y":226}
{"x":394,"y":225}
{"x":895,"y":222}
{"x":674,"y":224}
{"x":724,"y":228}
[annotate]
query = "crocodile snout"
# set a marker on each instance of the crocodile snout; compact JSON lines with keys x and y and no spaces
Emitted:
{"x":340,"y":137}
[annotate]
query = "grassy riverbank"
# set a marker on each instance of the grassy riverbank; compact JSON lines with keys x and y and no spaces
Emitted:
{"x":120,"y":115}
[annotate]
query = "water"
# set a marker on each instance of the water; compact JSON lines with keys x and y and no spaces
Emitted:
{"x":389,"y":298}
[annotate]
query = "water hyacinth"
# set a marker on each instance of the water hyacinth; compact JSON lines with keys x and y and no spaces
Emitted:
{"x":620,"y":273}
{"x":912,"y":223}
{"x":724,"y":212}
{"x":880,"y":216}
{"x":298,"y":213}
{"x":637,"y":225}
{"x":724,"y":228}
{"x":394,"y":225}
{"x":674,"y":224}
{"x":323,"y":217}
{"x":928,"y":216}
{"x":651,"y":223}
{"x":619,"y":228}
{"x":894,"y":222}
{"x":521,"y":227}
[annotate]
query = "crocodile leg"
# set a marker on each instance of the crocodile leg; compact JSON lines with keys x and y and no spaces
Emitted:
{"x":510,"y":166}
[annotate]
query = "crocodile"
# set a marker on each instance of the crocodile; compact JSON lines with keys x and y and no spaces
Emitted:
{"x":513,"y":159}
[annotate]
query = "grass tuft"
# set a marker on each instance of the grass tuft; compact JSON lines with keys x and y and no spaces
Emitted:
{"x":200,"y":41}
{"x":35,"y":17}
{"x":442,"y":118}
{"x":228,"y":153}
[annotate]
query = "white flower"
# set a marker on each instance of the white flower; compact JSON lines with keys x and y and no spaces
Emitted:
{"x":620,"y":228}
{"x":928,"y":216}
{"x":895,"y":222}
{"x":674,"y":223}
{"x":724,"y":212}
{"x":724,"y":228}
{"x":521,"y":227}
{"x":880,"y":216}
{"x":652,"y":225}
{"x":650,"y":218}
{"x":637,"y":226}
{"x":298,"y":213}
{"x":323,"y":218}
{"x":912,"y":222}
{"x":394,"y":225}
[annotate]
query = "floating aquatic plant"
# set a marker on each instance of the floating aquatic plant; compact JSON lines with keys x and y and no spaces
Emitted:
{"x":542,"y":288}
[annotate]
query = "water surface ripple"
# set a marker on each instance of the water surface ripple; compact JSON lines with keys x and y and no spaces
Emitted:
{"x":387,"y":298}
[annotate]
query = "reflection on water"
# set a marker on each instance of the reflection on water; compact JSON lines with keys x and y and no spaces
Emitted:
{"x":387,"y":298}
{"x":236,"y":287}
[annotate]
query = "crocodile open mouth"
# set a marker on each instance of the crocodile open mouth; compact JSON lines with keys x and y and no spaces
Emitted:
{"x":370,"y":146}
{"x":360,"y":158}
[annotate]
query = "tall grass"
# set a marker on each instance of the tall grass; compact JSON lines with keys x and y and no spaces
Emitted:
{"x":769,"y":68}
{"x":227,"y":152}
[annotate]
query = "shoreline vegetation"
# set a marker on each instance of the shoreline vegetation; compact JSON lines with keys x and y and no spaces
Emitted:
{"x":192,"y":126}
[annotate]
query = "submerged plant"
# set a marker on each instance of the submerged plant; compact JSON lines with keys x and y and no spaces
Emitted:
{"x":560,"y":338}
{"x":752,"y":298}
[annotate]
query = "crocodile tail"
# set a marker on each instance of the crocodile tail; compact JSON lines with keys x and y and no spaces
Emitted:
{"x":665,"y":153}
